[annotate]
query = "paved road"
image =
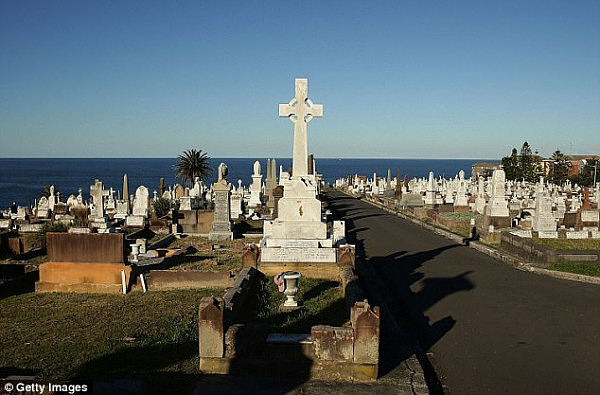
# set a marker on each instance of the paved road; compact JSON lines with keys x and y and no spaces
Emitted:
{"x":489,"y":328}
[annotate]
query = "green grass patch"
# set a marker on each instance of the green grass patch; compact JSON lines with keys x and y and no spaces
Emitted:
{"x":569,"y":244}
{"x":460,"y":216}
{"x":586,"y":269}
{"x":321,"y":303}
{"x":85,"y":336}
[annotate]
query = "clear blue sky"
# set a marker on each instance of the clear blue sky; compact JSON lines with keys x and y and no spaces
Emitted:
{"x":401,"y":79}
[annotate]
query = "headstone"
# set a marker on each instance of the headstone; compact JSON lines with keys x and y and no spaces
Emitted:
{"x":271,"y":183}
{"x":298,"y":234}
{"x":221,"y":226}
{"x":430,"y":191}
{"x":161,"y":186}
{"x":97,"y":193}
{"x":140,"y":202}
{"x":398,"y":190}
{"x":236,"y":205}
{"x":51,"y":199}
{"x":43,"y":209}
{"x":544,"y":219}
{"x":5,"y":223}
{"x":178,"y":191}
{"x":311,"y":164}
{"x":126,"y":192}
{"x":498,"y":205}
{"x":339,"y":231}
{"x":255,"y":193}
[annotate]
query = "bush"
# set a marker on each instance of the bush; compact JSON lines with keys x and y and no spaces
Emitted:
{"x":162,"y":207}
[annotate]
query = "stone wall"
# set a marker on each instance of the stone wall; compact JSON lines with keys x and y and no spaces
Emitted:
{"x":530,"y":251}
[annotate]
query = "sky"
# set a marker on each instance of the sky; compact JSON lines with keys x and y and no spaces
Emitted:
{"x":397,"y":79}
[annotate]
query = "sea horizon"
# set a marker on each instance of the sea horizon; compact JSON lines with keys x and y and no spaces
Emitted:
{"x":22,"y":179}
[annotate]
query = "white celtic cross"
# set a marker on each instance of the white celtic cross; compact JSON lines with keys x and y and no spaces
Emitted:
{"x":300,"y":110}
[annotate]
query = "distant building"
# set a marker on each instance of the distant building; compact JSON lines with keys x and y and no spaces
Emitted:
{"x":484,"y":169}
{"x":576,"y":163}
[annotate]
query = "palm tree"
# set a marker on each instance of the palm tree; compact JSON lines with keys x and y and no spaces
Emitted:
{"x":191,"y":164}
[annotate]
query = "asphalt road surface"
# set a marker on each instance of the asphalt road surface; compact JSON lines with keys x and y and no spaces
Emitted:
{"x":487,"y":327}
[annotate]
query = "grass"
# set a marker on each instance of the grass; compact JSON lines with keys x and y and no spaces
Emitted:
{"x":577,"y":268}
{"x":85,"y":336}
{"x":321,"y":303}
{"x":205,"y":258}
{"x":569,"y":244}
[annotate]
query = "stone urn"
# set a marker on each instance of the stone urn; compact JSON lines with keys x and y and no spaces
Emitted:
{"x":135,"y":251}
{"x":291,"y":280}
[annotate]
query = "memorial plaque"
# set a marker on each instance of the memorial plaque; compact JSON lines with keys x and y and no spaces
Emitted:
{"x":578,"y":234}
{"x":291,"y":254}
{"x":590,"y":216}
{"x":548,"y":234}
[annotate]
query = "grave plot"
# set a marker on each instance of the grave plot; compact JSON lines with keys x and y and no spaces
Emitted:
{"x":333,"y":333}
{"x":192,"y":262}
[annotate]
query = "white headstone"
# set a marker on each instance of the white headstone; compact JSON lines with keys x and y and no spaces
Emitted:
{"x":140,"y":202}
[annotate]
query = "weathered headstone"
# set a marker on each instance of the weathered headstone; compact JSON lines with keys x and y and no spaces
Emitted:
{"x":221,"y":227}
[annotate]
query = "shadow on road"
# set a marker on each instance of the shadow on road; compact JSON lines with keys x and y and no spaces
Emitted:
{"x":397,"y":272}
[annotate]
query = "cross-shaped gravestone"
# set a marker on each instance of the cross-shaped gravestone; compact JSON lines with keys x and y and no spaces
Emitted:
{"x":300,"y":111}
{"x":97,"y":193}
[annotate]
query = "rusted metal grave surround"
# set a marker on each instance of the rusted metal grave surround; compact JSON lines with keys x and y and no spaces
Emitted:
{"x":327,"y":353}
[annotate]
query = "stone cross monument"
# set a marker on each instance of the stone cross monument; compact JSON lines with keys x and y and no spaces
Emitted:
{"x":300,"y":110}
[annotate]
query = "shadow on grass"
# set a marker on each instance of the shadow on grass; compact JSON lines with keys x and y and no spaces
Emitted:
{"x":137,"y":360}
{"x":20,"y":284}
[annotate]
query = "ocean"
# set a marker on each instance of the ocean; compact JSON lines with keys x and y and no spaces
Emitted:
{"x":21,"y":180}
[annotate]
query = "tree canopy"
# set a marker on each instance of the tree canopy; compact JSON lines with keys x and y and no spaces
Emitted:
{"x":191,"y":164}
{"x":521,"y":166}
